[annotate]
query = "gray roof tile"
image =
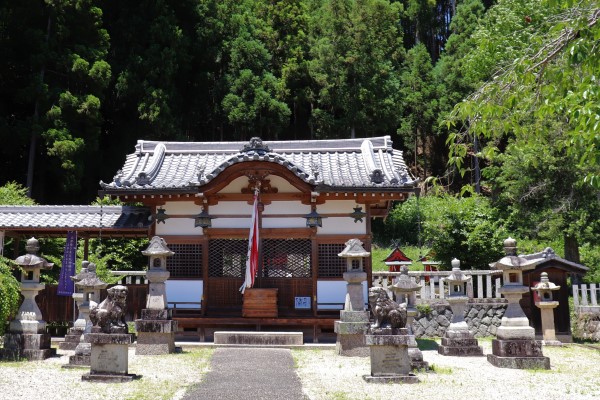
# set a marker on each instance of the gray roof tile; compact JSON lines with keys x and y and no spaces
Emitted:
{"x":78,"y":217}
{"x":368,"y":164}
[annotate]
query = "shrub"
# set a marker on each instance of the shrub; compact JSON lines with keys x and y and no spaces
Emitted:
{"x":9,"y":293}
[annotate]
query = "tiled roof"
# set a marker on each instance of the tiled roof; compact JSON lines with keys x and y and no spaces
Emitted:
{"x":74,"y":217}
{"x":345,"y":164}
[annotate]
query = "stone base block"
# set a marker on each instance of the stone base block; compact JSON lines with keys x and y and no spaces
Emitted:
{"x":351,"y":346}
{"x":28,"y":354}
{"x":70,"y":342}
{"x":150,"y":314}
{"x":78,"y":361}
{"x":150,"y":343}
{"x":519,"y":362}
{"x":354,"y":316}
{"x":472,"y":342}
{"x":460,"y":351}
{"x":410,"y":378}
{"x":259,"y":338}
{"x":351,"y":328}
{"x":108,"y":338}
{"x":108,"y":378}
{"x":416,"y":359}
{"x":30,"y":346}
{"x":155,"y":326}
{"x":517,"y":348}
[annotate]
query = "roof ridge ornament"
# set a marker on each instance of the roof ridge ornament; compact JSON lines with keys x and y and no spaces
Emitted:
{"x":256,"y":145}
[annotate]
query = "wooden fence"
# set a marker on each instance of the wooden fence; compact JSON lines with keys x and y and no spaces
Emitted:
{"x":57,"y":308}
{"x":585,"y":297}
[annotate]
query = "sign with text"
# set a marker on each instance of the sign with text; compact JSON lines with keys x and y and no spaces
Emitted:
{"x":302,"y":303}
{"x":65,"y":284}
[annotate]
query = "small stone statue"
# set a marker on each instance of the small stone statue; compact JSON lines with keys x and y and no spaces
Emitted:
{"x":109,"y":316}
{"x":386,"y":313}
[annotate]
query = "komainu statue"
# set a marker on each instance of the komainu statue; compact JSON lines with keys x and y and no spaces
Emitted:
{"x":385,"y":312}
{"x":109,"y":316}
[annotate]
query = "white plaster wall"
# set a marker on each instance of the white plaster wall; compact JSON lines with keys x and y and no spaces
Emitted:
{"x":334,"y":292}
{"x":178,"y":226}
{"x":184,"y":290}
{"x":341,"y":226}
{"x":286,"y":207}
{"x":332,"y":206}
{"x":231,"y":208}
{"x":182,"y":208}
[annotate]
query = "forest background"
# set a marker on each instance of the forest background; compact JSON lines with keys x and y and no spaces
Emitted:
{"x":495,"y":104}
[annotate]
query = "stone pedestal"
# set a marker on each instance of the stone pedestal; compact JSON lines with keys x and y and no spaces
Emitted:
{"x":109,"y":357}
{"x":415,"y":354}
{"x":72,"y":339}
{"x":354,"y":320}
{"x":351,"y":332}
{"x":31,"y":346}
{"x":390,"y":361}
{"x":548,"y":330}
{"x":458,"y":340}
{"x":155,"y":333}
{"x":518,"y":354}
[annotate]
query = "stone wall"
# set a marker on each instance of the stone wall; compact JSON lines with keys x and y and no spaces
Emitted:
{"x":483,"y":316}
{"x":586,"y":326}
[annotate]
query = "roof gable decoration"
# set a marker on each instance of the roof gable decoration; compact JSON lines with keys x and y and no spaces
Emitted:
{"x":329,"y":165}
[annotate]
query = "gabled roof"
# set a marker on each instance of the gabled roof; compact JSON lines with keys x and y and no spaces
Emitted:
{"x":95,"y":219}
{"x":328,"y":165}
{"x":397,"y":256}
{"x":548,"y":256}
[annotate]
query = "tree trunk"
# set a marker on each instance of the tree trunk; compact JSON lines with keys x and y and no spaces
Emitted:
{"x":572,"y":249}
{"x":36,"y":117}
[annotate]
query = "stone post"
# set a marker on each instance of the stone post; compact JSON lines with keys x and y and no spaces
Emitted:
{"x":544,"y":302}
{"x":156,"y":329}
{"x":405,"y":291}
{"x":458,"y":340}
{"x":354,"y":319}
{"x":515,"y":346}
{"x":27,"y":337}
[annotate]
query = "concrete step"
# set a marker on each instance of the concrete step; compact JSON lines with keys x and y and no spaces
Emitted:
{"x":259,"y":338}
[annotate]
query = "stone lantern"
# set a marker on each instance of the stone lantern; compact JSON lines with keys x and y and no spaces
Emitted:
{"x":458,"y":340}
{"x":546,"y":304}
{"x":27,"y":335}
{"x":515,"y":346}
{"x":89,"y":284}
{"x":156,"y":329}
{"x":354,"y":319}
{"x":405,"y":291}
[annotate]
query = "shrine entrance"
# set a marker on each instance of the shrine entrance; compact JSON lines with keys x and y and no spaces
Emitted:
{"x":286,"y":266}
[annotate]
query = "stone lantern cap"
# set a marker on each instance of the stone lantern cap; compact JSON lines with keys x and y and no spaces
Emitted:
{"x":157,"y":247}
{"x":354,"y":249}
{"x":512,"y":261}
{"x":31,"y":260}
{"x":545,"y":284}
{"x":404,"y":284}
{"x":457,"y":276}
{"x":87,"y":277}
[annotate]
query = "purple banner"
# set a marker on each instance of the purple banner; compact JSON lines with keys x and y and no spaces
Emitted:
{"x":66,"y":286}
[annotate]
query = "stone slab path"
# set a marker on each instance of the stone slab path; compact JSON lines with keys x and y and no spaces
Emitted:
{"x":249,"y":374}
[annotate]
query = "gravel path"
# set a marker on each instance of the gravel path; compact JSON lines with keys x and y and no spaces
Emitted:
{"x":250,"y":374}
{"x":574,"y":374}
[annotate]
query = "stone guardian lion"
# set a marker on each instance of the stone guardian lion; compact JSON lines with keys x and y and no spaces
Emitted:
{"x":109,"y":316}
{"x":385,"y":312}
